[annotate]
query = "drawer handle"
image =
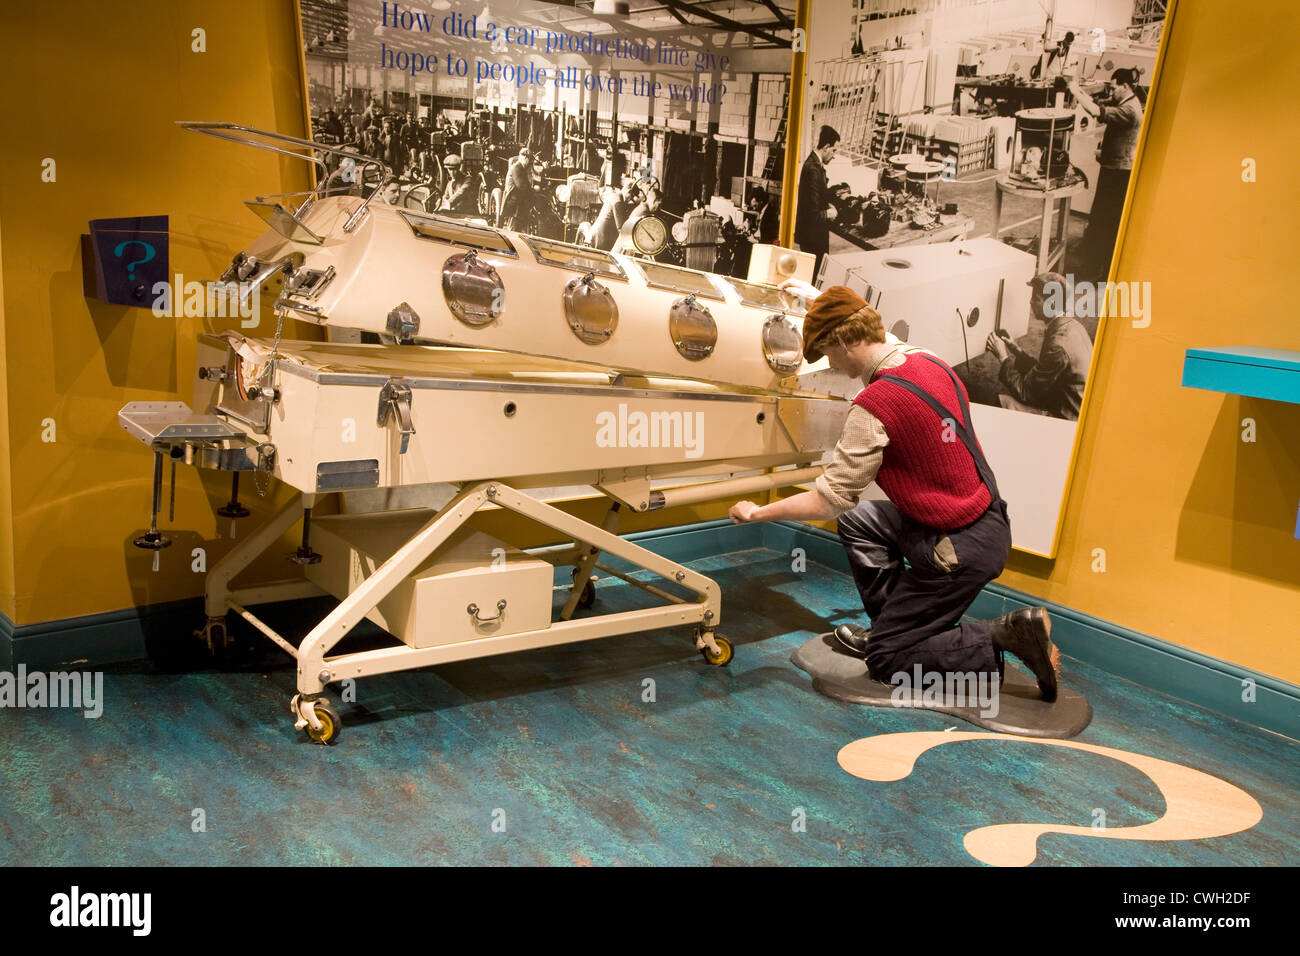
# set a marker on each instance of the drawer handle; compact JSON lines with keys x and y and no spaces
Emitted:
{"x":473,"y":611}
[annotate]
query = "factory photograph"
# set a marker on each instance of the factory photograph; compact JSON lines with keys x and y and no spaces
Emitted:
{"x":647,"y":434}
{"x":640,"y":135}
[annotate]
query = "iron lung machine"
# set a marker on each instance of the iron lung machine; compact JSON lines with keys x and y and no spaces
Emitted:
{"x":945,"y":297}
{"x":499,"y":365}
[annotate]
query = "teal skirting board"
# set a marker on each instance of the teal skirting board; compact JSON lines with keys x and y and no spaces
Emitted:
{"x":1256,"y":699}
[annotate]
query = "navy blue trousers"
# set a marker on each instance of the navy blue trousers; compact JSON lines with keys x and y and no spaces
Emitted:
{"x":916,"y":609}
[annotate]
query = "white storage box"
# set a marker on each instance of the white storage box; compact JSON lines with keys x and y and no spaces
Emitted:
{"x":430,"y":607}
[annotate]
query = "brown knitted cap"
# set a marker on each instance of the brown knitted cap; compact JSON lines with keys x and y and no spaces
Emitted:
{"x":827,"y":311}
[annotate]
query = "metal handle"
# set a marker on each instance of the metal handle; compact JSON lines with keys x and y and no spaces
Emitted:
{"x":472,"y":610}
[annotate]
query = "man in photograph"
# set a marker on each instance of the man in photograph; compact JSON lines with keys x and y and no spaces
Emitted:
{"x":767,"y":216}
{"x":812,"y":223}
{"x":459,"y":197}
{"x":909,"y":430}
{"x":1052,"y":382}
{"x":1120,"y":111}
{"x":518,"y":200}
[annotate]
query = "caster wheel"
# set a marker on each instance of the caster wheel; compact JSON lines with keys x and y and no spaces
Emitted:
{"x":587,"y":597}
{"x":330,"y":725}
{"x":725,"y":652}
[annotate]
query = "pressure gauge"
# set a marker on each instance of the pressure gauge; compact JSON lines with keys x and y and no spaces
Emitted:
{"x":650,"y":235}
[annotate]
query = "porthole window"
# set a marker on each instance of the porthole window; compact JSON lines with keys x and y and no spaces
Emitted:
{"x":782,"y":344}
{"x":692,"y":329}
{"x":590,"y":310}
{"x":473,"y":289}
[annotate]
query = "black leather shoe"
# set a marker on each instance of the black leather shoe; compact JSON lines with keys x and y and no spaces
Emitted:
{"x":853,"y":638}
{"x":1027,"y":634}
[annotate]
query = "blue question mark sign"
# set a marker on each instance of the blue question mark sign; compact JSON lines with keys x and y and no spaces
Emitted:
{"x":150,"y":252}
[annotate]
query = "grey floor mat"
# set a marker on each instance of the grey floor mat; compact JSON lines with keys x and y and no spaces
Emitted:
{"x":1015,"y":709}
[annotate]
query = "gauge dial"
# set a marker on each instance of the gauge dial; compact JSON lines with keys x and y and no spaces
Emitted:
{"x":649,"y":235}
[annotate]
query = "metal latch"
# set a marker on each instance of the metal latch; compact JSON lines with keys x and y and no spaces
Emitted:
{"x":403,"y":323}
{"x":308,"y":283}
{"x":264,"y":467}
{"x":396,"y":396}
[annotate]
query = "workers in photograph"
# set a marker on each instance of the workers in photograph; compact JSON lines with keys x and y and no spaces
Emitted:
{"x":812,"y":223}
{"x":920,"y":558}
{"x":767,"y":216}
{"x":1120,"y":111}
{"x":460,"y":195}
{"x":518,"y":200}
{"x":1051,"y":382}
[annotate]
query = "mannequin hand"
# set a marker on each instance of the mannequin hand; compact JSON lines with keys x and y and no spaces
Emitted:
{"x":742,"y":512}
{"x":803,"y":290}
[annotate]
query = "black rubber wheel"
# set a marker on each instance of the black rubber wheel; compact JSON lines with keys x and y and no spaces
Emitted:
{"x":588,"y":596}
{"x":330,"y":724}
{"x":725,"y":652}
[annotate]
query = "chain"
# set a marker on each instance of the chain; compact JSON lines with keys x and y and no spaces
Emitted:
{"x":267,"y":373}
{"x":280,"y":313}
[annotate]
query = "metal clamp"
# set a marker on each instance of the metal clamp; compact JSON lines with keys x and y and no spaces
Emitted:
{"x":396,"y":396}
{"x":264,"y":467}
{"x":472,"y":610}
{"x":403,"y":323}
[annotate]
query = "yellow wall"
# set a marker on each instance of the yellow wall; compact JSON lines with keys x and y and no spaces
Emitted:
{"x":6,"y":499}
{"x":97,"y":87}
{"x":1195,"y":524}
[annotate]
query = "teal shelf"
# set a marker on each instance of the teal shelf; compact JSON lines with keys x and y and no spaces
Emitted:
{"x":1245,"y":370}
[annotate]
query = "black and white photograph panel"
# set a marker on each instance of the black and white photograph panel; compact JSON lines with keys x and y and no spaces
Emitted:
{"x":964,"y":168}
{"x":648,"y":130}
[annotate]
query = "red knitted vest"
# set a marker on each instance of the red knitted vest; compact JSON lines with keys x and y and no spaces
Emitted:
{"x":931,"y":480}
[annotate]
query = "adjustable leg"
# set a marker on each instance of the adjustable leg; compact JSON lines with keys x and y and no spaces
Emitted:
{"x":232,"y":508}
{"x":304,"y":554}
{"x":153,"y":540}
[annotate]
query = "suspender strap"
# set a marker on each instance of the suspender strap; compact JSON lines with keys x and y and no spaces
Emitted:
{"x":961,"y":428}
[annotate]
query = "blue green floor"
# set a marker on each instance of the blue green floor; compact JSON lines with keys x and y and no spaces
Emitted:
{"x":555,"y":757}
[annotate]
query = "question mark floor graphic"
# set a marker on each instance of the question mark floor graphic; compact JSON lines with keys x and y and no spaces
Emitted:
{"x":1198,"y":805}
